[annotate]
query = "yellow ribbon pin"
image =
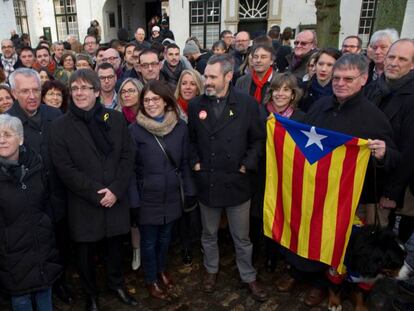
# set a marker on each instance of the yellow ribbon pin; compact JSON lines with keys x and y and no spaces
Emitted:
{"x":231,"y":113}
{"x":106,"y":116}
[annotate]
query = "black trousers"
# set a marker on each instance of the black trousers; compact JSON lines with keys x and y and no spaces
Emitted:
{"x":86,"y":252}
{"x":63,"y":244}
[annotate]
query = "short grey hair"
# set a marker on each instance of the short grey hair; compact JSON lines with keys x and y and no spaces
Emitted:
{"x":352,"y":61}
{"x":226,"y":62}
{"x":387,"y":33}
{"x":27,"y":72}
{"x":13,"y":123}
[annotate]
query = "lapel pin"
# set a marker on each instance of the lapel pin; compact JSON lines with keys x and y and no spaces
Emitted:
{"x":231,"y":113}
{"x":202,"y":115}
{"x":106,"y":116}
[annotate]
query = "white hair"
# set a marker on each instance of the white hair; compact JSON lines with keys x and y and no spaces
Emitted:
{"x":27,"y":72}
{"x":388,"y":33}
{"x":14,"y":124}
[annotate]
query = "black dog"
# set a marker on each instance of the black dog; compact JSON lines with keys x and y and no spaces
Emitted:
{"x":371,"y":254}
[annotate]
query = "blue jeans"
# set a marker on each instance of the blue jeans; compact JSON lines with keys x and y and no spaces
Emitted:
{"x":155,"y":240}
{"x":42,"y":299}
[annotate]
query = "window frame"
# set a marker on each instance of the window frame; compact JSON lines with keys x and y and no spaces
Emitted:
{"x":204,"y":16}
{"x":66,"y":14}
{"x":20,"y":17}
{"x":367,"y":20}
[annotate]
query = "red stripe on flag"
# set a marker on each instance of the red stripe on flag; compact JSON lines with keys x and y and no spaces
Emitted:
{"x":316,"y":224}
{"x":346,"y":190}
{"x":297,"y":187}
{"x":279,"y":140}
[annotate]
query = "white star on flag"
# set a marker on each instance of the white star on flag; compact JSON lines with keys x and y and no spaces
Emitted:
{"x":314,"y":138}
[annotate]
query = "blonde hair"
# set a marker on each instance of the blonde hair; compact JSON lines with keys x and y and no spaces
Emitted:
{"x":197,"y":79}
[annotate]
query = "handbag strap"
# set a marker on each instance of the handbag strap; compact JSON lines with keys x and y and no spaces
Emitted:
{"x":163,"y":147}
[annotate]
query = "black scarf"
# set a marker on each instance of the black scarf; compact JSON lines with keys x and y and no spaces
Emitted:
{"x":172,"y":75}
{"x":96,"y":122}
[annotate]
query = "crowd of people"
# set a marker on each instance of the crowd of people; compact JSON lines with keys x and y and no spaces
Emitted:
{"x":99,"y":141}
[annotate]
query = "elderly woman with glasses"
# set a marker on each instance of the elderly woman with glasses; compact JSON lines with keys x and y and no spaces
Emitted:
{"x":28,"y":259}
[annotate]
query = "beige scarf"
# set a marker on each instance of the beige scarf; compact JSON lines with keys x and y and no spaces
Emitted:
{"x":158,"y":128}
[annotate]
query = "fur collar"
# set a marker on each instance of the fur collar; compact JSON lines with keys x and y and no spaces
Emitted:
{"x":158,"y":128}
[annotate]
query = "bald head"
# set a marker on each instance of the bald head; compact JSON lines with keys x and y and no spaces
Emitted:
{"x":140,"y":34}
{"x":242,"y":41}
{"x":399,"y":60}
{"x":304,"y":43}
{"x":112,"y":56}
{"x":7,"y":48}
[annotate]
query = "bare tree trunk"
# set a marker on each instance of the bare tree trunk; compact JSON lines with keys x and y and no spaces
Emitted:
{"x":390,"y":14}
{"x":328,"y":22}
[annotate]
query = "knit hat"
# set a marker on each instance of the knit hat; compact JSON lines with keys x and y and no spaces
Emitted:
{"x":155,"y":28}
{"x":191,"y":48}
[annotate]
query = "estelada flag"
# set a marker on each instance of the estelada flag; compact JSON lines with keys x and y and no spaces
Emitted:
{"x":314,"y":179}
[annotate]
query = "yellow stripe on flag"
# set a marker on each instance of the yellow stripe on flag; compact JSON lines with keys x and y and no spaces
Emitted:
{"x":288,"y":157}
{"x":271,"y":181}
{"x":331,"y":204}
{"x":308,"y":194}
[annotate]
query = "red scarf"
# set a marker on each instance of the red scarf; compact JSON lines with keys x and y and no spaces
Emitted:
{"x":260,"y":83}
{"x":183,"y":104}
{"x":129,"y":114}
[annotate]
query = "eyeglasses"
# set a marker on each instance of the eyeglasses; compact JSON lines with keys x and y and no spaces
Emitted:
{"x":128,"y":91}
{"x":54,"y":94}
{"x":90,"y":42}
{"x":103,"y":78}
{"x":7,"y":135}
{"x":113,"y":58}
{"x":302,"y":43}
{"x":336,"y":79}
{"x":155,"y":100}
{"x":75,"y":89}
{"x":147,"y":65}
{"x":27,"y":92}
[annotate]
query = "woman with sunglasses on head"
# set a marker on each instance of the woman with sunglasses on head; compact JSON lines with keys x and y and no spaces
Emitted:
{"x":163,"y":183}
{"x":320,"y":84}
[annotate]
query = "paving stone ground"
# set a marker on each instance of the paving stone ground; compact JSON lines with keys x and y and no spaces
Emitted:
{"x":229,"y":295}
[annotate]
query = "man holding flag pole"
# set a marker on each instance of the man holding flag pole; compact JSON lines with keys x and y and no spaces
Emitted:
{"x":315,"y":176}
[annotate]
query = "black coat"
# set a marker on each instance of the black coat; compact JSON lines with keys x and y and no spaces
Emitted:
{"x":222,"y":147}
{"x":398,"y":105}
{"x":28,"y":258}
{"x":360,"y":118}
{"x":156,"y":190}
{"x":36,"y":137}
{"x":85,"y":170}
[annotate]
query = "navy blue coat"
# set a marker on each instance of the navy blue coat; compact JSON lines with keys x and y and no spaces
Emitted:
{"x":156,"y":188}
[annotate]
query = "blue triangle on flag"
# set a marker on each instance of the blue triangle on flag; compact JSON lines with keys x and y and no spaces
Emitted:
{"x":314,"y":142}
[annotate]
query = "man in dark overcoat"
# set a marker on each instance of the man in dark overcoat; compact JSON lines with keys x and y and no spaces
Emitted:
{"x":226,"y":137}
{"x":393,"y":93}
{"x":37,"y":119}
{"x":92,"y":152}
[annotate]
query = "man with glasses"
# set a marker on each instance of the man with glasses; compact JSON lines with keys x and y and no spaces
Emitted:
{"x":304,"y":46}
{"x":227,"y":37}
{"x":112,"y":56}
{"x":9,"y":59}
{"x":37,"y":120}
{"x":349,"y":112}
{"x":352,"y":45}
{"x":149,"y":65}
{"x":93,"y":155}
{"x":107,"y":76}
{"x":90,"y":46}
{"x":241,"y":51}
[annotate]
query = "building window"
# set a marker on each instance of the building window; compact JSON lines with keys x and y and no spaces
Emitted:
{"x":205,"y":21}
{"x":366,"y":21}
{"x":253,"y":9}
{"x":20,"y":13}
{"x":66,"y":18}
